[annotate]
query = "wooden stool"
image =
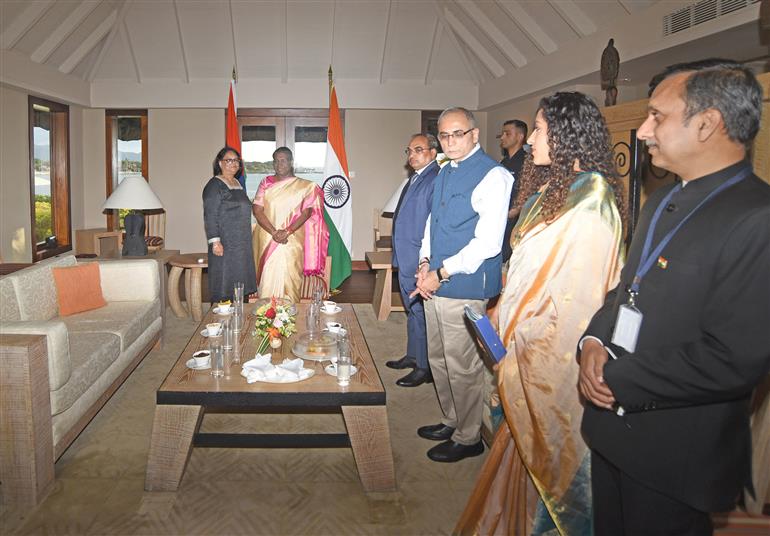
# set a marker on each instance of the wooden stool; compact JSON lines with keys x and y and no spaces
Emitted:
{"x":193,"y":271}
{"x":384,"y":299}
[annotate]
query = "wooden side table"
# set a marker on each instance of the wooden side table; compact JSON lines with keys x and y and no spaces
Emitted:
{"x":193,"y":272}
{"x":384,"y":299}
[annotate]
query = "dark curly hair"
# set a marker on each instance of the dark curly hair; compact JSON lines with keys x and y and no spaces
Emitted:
{"x":576,"y":131}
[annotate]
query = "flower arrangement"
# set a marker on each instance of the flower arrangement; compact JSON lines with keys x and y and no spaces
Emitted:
{"x":275,"y":319}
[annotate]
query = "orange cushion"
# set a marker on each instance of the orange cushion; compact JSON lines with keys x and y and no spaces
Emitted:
{"x":78,"y":288}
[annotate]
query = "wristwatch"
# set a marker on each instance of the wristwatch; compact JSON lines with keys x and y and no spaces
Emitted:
{"x":442,"y":278}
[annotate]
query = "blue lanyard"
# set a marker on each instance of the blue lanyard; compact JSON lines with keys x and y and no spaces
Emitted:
{"x":648,"y":258}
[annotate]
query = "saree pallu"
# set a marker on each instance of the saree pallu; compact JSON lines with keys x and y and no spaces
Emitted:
{"x":536,"y":479}
{"x":280,"y":267}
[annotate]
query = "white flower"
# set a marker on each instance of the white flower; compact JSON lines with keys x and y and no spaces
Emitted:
{"x":277,"y":323}
{"x":283,"y":316}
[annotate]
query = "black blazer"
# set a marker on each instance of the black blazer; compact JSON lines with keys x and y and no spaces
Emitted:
{"x":703,"y":346}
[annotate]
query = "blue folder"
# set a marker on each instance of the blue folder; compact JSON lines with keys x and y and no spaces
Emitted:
{"x":486,"y":333}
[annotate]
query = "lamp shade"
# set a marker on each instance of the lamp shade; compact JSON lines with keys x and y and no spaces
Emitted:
{"x":390,"y":206}
{"x":134,"y":193}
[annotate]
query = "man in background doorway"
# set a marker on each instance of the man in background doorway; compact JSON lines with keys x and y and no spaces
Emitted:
{"x":512,"y":140}
{"x":408,"y":228}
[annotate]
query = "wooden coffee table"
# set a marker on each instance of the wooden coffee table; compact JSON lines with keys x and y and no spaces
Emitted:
{"x":186,"y":395}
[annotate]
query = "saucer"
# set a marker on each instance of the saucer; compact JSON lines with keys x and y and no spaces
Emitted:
{"x":191,"y":364}
{"x":331,"y":370}
{"x":205,"y":332}
{"x":223,"y":311}
{"x":336,"y":310}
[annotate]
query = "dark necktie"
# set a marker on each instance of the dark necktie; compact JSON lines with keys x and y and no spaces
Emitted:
{"x":403,"y":195}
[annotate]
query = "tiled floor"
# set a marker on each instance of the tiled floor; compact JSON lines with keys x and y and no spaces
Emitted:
{"x":100,"y":479}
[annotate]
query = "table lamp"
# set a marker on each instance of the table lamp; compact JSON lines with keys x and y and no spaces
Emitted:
{"x":133,"y":193}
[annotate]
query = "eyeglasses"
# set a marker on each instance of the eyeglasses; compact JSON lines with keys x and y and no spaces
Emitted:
{"x":231,"y":160}
{"x":456,"y":135}
{"x":416,"y":150}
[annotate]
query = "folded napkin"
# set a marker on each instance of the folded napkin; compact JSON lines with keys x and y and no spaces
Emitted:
{"x":260,"y":369}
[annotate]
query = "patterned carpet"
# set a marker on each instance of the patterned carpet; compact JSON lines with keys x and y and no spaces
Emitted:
{"x":99,"y":486}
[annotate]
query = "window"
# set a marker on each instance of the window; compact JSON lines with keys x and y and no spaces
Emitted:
{"x":126,"y":132}
{"x":49,"y":178}
{"x":302,"y":131}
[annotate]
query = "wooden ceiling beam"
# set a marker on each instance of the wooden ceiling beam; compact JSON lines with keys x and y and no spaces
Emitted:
{"x":179,"y":34}
{"x":493,"y":32}
{"x":62,"y":31}
{"x":528,"y":26}
{"x":383,"y":56}
{"x":474,"y":44}
{"x":469,"y":67}
{"x":22,"y":24}
{"x":130,"y":46}
{"x":89,"y":43}
{"x":285,"y":44}
{"x":433,"y":48}
{"x":91,"y":40}
{"x":574,"y":16}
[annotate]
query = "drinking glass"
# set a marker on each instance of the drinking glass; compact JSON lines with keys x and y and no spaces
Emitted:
{"x":227,"y":330}
{"x":318,"y":295}
{"x":238,"y":292}
{"x":343,"y":360}
{"x":217,"y":356}
{"x":313,"y":318}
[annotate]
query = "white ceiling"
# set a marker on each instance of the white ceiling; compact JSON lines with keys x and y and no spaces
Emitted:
{"x":414,"y":43}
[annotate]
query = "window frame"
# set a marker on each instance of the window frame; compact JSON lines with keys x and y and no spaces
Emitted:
{"x":61,"y":213}
{"x":111,"y":163}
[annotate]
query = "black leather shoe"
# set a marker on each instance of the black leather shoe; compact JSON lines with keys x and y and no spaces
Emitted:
{"x":417,"y":377}
{"x":449,"y":451}
{"x":404,"y":362}
{"x":435,"y":432}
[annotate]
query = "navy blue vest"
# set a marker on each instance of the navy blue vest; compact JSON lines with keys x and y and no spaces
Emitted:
{"x":453,"y":225}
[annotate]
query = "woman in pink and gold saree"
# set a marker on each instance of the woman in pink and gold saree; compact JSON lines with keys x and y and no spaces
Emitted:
{"x":291,"y":237}
{"x":567,"y":253}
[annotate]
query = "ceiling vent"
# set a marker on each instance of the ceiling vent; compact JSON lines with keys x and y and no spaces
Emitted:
{"x":700,"y":12}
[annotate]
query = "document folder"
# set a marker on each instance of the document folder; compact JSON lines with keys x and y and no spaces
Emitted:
{"x":486,"y":333}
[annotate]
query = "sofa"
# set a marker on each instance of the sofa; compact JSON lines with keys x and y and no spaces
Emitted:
{"x":56,"y":372}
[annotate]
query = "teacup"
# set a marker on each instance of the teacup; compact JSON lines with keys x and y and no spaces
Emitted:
{"x":329,"y":306}
{"x":201,"y":358}
{"x":333,"y":327}
{"x":213,"y":328}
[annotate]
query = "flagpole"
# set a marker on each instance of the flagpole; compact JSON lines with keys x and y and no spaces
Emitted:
{"x":331,"y":79}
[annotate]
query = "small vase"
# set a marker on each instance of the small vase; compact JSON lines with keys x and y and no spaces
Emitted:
{"x":275,"y":343}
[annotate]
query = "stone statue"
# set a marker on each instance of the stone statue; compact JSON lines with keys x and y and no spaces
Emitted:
{"x":610,"y":66}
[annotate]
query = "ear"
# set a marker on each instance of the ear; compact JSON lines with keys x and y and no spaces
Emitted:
{"x":475,"y":134}
{"x":709,"y":122}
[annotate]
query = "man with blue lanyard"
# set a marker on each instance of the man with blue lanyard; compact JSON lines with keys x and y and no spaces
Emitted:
{"x":669,"y":363}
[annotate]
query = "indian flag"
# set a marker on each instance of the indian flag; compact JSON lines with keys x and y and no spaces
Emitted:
{"x":337,"y":197}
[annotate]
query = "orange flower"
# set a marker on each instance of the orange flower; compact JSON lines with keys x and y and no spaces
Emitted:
{"x":273,"y":332}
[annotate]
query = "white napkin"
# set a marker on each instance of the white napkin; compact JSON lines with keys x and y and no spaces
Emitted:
{"x":260,"y":369}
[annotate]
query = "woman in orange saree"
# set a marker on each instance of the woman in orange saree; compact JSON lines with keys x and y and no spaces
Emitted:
{"x":567,"y":253}
{"x":291,"y":237}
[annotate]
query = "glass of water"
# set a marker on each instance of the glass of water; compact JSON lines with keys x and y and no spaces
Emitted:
{"x":343,"y":360}
{"x":217,"y":356}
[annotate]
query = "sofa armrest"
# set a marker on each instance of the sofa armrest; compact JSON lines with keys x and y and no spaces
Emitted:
{"x":130,"y":280}
{"x":57,"y":341}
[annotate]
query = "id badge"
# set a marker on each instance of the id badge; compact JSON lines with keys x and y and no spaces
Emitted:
{"x":627,"y":327}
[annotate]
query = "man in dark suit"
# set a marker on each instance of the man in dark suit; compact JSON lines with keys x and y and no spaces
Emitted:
{"x":667,"y":420}
{"x":408,"y":228}
{"x":512,"y":140}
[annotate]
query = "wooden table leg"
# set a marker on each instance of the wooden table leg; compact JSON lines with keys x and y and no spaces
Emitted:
{"x":170,"y":446}
{"x":194,"y":296}
{"x":173,"y":292}
{"x":382,"y":293}
{"x":370,"y":438}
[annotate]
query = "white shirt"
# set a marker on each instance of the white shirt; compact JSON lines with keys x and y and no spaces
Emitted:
{"x":490,"y":199}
